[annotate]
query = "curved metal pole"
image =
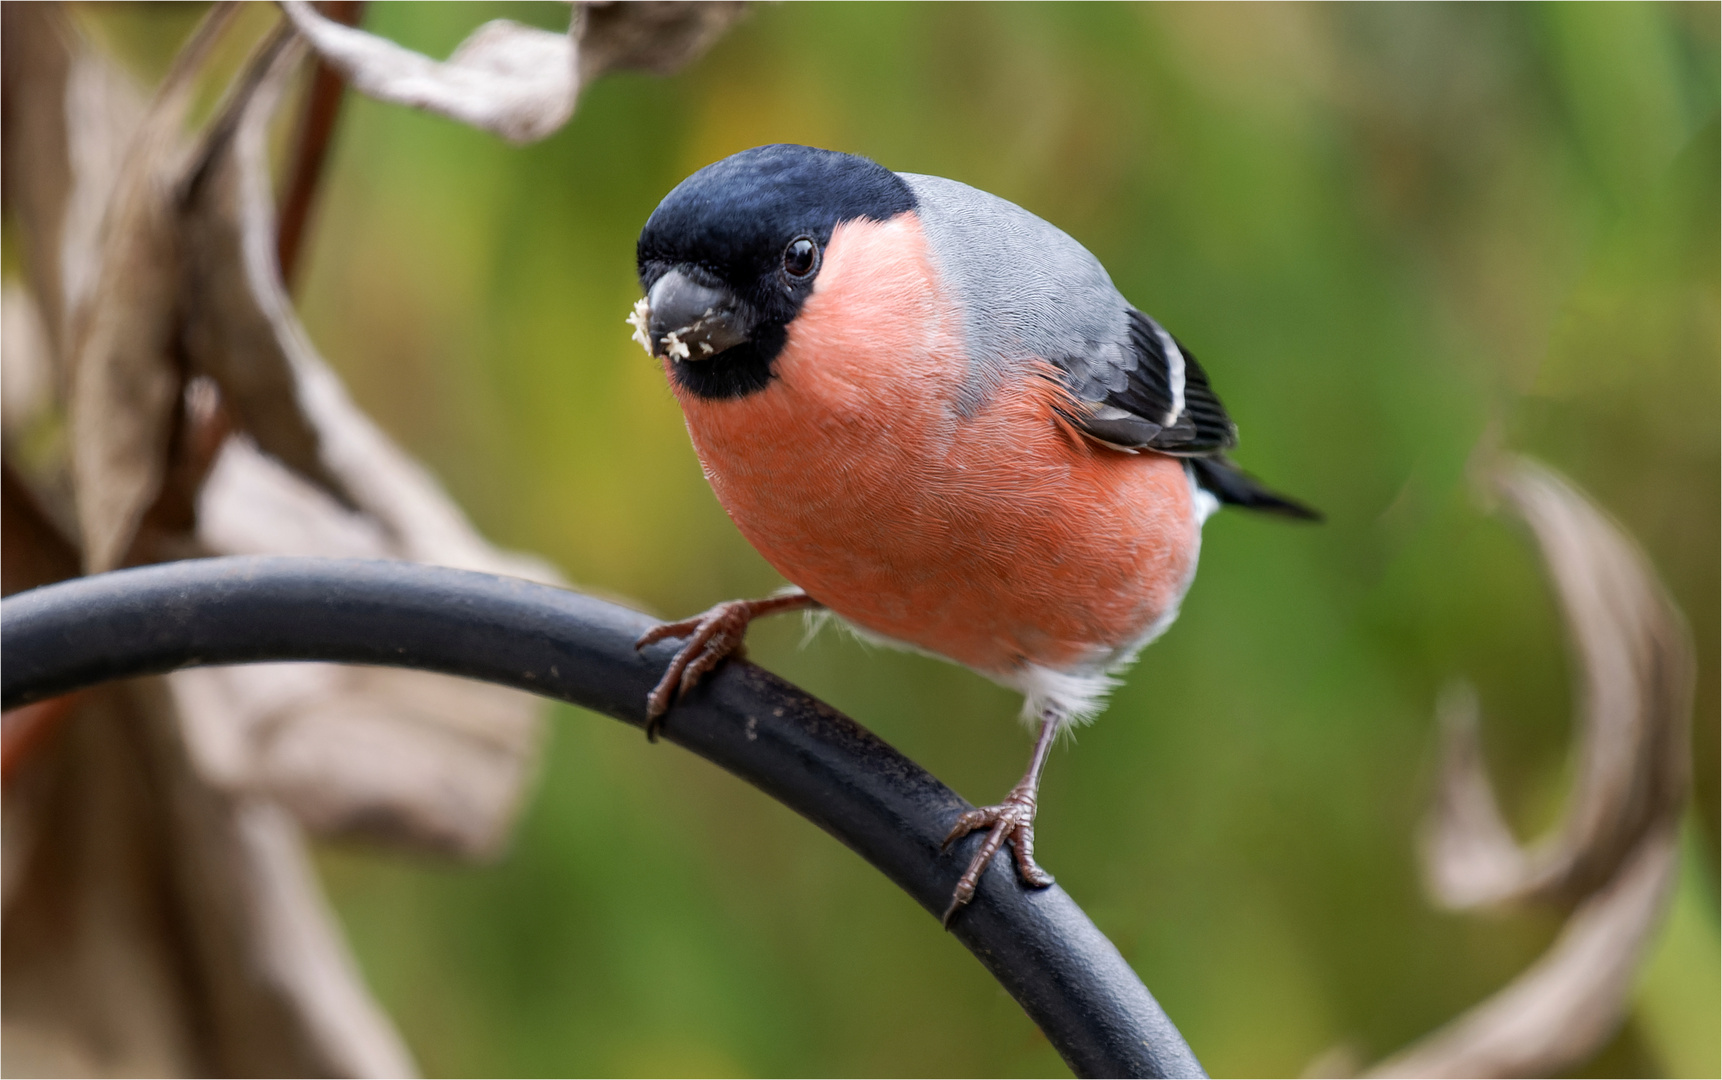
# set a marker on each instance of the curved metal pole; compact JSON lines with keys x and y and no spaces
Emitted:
{"x":1066,"y":975}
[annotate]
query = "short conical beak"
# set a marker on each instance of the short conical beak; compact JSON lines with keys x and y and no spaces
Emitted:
{"x":691,"y":321}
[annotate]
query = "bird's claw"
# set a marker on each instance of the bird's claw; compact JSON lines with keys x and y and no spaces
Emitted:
{"x":712,"y":637}
{"x":1012,"y":821}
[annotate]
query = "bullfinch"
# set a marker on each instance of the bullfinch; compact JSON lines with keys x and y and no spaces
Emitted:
{"x":936,"y":416}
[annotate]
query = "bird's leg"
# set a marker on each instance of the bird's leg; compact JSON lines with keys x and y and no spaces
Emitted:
{"x":1011,"y":820}
{"x":712,"y":636}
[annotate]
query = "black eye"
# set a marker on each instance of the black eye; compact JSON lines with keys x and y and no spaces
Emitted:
{"x":800,"y":257}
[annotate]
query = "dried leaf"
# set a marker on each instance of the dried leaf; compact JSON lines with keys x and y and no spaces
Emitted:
{"x":407,"y":758}
{"x":26,"y":362}
{"x":511,"y":80}
{"x":90,"y":961}
{"x":403,"y":758}
{"x":125,"y":381}
{"x":380,"y":479}
{"x":253,"y":505}
{"x":1568,"y":1004}
{"x":71,"y":116}
{"x":1636,"y":673}
{"x":32,"y":428}
{"x":1615,"y":854}
{"x":33,"y":552}
{"x":235,"y":305}
{"x":251,"y":341}
{"x":1465,"y":841}
{"x":162,"y":927}
{"x":160,"y":914}
{"x":104,"y":111}
{"x":658,"y":36}
{"x":36,"y":165}
{"x":516,"y":81}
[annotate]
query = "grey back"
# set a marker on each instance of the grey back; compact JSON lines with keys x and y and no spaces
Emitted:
{"x":1026,"y":290}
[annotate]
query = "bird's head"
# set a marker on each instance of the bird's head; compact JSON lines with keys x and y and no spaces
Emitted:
{"x":729,"y":257}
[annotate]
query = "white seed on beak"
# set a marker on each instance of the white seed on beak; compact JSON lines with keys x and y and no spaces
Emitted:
{"x":640,"y":320}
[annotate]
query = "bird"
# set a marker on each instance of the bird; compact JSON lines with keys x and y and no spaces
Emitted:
{"x":935,"y":415}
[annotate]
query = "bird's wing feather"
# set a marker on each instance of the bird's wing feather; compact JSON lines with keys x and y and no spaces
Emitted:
{"x":1149,"y":394}
{"x":1153,"y":395}
{"x":1029,"y":293}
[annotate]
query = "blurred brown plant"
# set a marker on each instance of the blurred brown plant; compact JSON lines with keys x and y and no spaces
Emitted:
{"x":1613,"y":860}
{"x":517,"y":81}
{"x":161,"y":401}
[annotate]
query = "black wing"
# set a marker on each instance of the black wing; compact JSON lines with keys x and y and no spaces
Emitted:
{"x":1153,"y":395}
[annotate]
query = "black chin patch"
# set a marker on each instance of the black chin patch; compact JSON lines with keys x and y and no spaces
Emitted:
{"x":736,"y":372}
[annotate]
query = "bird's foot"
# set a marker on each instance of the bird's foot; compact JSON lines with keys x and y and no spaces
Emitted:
{"x":712,"y":637}
{"x":1012,"y":821}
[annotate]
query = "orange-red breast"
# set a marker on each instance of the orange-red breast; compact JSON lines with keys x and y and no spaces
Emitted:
{"x":934,"y":414}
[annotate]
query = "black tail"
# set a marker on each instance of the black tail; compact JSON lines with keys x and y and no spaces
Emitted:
{"x":1232,"y":485}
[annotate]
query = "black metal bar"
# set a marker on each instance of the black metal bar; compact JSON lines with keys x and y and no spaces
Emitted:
{"x":1066,"y":975}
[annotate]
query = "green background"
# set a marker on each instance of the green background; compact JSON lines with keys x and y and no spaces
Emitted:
{"x":1392,"y":233}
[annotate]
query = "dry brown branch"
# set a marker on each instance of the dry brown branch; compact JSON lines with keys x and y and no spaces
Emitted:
{"x":311,"y":147}
{"x":1615,"y":853}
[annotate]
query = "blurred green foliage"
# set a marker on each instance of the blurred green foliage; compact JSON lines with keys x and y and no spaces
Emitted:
{"x":1392,"y":233}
